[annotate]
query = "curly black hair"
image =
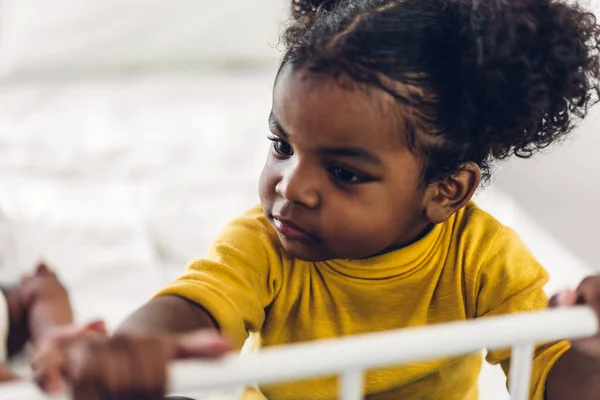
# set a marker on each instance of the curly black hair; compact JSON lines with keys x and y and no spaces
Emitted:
{"x":483,"y":79}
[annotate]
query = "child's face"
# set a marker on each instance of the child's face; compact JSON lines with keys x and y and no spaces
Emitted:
{"x":339,"y":181}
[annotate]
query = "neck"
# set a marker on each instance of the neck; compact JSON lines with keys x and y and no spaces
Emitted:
{"x":407,"y":240}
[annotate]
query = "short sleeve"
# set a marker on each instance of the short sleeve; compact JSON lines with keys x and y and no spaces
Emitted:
{"x":238,"y":278}
{"x":511,"y":280}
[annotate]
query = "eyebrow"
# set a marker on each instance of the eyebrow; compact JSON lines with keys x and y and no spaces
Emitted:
{"x":275,"y":123}
{"x":355,"y":152}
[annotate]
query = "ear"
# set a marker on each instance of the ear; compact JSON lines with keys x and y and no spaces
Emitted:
{"x":451,"y":193}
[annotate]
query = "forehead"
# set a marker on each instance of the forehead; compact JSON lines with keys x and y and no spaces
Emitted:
{"x":327,"y":110}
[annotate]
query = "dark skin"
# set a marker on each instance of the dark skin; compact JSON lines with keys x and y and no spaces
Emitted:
{"x":337,"y":160}
{"x":576,"y":375}
{"x":36,"y":306}
{"x":132,"y":363}
{"x":168,"y":314}
{"x":353,"y":170}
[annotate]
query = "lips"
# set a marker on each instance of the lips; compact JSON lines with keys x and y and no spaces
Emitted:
{"x":292,"y":231}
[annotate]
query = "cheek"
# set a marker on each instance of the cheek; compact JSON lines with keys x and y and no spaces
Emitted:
{"x":267,"y":183}
{"x":359,"y":236}
{"x":372,"y":223}
{"x":357,"y":221}
{"x":375,"y":225}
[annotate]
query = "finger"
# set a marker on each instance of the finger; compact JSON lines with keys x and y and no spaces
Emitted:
{"x":565,"y":298}
{"x":136,"y":367}
{"x":116,"y":373}
{"x":151,"y":381}
{"x":147,"y":360}
{"x":203,"y":343}
{"x":86,"y":371}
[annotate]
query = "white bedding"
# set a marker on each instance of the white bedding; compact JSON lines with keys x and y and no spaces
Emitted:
{"x":66,"y":38}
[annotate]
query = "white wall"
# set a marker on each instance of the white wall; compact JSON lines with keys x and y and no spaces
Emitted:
{"x":561,"y":189}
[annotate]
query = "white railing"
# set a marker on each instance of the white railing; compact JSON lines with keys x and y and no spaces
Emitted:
{"x":351,"y":356}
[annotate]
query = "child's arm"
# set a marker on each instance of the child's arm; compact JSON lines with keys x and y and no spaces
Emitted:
{"x":229,"y":291}
{"x":559,"y":371}
{"x":87,"y":359}
{"x":576,"y":374}
{"x":168,"y":314}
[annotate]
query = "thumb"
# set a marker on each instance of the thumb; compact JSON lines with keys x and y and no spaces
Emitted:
{"x":565,"y":298}
{"x":200,"y":344}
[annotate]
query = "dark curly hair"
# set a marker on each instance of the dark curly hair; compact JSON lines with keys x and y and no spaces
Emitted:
{"x":482,"y":79}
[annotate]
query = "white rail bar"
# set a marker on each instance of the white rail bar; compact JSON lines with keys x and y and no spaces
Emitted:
{"x":332,"y":357}
{"x":329,"y":357}
{"x":519,"y":380}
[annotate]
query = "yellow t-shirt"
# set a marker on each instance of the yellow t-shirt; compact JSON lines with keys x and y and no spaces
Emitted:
{"x":467,"y":267}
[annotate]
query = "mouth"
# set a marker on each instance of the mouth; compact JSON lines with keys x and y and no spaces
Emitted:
{"x":292,"y":231}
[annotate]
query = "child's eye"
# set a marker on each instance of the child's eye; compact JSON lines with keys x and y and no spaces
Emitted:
{"x":346,"y":176}
{"x":281,"y":147}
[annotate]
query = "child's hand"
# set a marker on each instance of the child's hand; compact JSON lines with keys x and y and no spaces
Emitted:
{"x":37,"y":303}
{"x":587,"y":293}
{"x":123,"y":366}
{"x":46,"y":300}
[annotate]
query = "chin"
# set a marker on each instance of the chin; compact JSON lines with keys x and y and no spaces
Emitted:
{"x":303,"y":252}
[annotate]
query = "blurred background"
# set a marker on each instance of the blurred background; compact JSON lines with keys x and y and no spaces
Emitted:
{"x":131,"y":131}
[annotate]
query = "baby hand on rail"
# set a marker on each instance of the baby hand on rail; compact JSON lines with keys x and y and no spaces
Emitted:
{"x":587,"y":293}
{"x":98,"y":367}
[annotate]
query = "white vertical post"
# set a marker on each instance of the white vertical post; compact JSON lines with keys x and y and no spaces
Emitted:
{"x":351,"y":385}
{"x":519,"y":379}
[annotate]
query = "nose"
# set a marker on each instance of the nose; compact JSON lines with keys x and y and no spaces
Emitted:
{"x":298,"y":186}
